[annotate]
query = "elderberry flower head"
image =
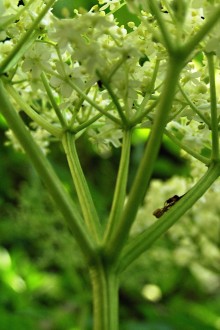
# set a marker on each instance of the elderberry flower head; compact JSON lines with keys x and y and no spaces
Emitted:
{"x":95,"y":67}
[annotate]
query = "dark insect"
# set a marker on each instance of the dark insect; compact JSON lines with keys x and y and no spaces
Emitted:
{"x":167,"y":205}
{"x":100,"y":84}
{"x":20,"y":3}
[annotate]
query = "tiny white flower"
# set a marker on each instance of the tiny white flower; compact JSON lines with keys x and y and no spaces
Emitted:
{"x":62,"y":83}
{"x":36,"y":58}
{"x":112,"y":4}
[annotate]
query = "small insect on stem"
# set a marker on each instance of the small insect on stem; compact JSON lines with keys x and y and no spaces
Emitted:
{"x":167,"y":205}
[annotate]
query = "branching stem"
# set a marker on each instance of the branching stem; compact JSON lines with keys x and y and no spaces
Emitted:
{"x":40,"y":120}
{"x":80,"y":183}
{"x":48,"y":176}
{"x":141,"y":182}
{"x":53,"y":101}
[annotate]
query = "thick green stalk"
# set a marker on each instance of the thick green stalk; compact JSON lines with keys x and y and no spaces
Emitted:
{"x":105,"y":297}
{"x":121,"y":184}
{"x":141,"y":182}
{"x":84,"y":195}
{"x":48,"y":176}
{"x":214,"y":112}
{"x":143,"y":241}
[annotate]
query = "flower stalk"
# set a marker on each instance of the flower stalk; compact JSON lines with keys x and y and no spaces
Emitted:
{"x":146,"y":166}
{"x":48,"y":176}
{"x":87,"y":206}
{"x":90,"y":47}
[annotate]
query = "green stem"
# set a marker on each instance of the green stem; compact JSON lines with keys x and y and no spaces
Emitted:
{"x":53,"y":101}
{"x":48,"y":176}
{"x":56,"y":131}
{"x":147,"y":96}
{"x":214,"y":113}
{"x":144,"y":114}
{"x":120,"y":189}
{"x":26,"y":41}
{"x":141,"y":182}
{"x":84,"y":195}
{"x":143,"y":241}
{"x":193,"y":107}
{"x":86,"y":124}
{"x":186,"y":148}
{"x":111,"y":12}
{"x":77,"y":107}
{"x":155,"y":9}
{"x":105,"y":298}
{"x":113,"y":97}
{"x":93,"y":103}
{"x":12,"y":18}
{"x":116,"y":67}
{"x":83,"y":95}
{"x":170,"y":11}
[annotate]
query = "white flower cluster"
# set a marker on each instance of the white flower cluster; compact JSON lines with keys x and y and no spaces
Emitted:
{"x":97,"y":69}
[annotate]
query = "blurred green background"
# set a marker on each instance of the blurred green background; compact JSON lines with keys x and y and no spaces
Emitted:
{"x":44,"y":284}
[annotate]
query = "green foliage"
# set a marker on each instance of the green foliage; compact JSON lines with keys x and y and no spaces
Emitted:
{"x":14,"y":168}
{"x":65,"y":8}
{"x":44,"y":282}
{"x":43,"y":271}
